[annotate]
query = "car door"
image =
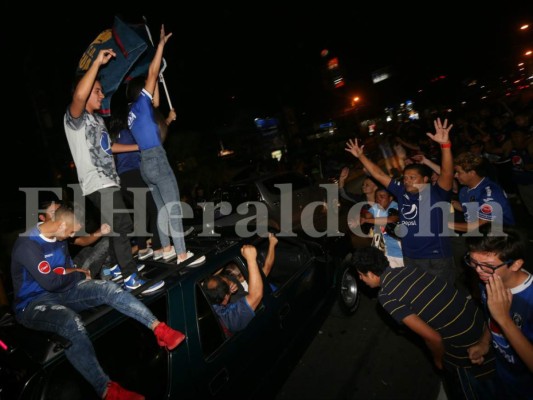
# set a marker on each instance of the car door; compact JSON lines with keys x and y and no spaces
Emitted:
{"x":224,"y":366}
{"x":301,"y":283}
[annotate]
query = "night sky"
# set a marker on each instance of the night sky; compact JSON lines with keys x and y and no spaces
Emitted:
{"x":259,"y":57}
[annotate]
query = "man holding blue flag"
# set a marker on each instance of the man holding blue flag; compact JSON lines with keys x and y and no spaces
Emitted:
{"x":133,"y":55}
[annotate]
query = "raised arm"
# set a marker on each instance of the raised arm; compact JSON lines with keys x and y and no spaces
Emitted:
{"x":271,"y":255}
{"x":352,"y":147}
{"x":85,"y":85}
{"x":441,"y":136}
{"x":255,"y":281}
{"x":421,"y":159}
{"x":155,"y":65}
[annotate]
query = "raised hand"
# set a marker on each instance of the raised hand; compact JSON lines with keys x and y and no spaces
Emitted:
{"x":272,"y":239}
{"x":249,"y":252}
{"x":442,"y":131}
{"x":352,"y":146}
{"x":162,"y":37}
{"x":344,"y":173}
{"x":419,"y":158}
{"x":105,"y":55}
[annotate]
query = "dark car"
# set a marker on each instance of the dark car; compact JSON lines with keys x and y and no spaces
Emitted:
{"x":305,"y":281}
{"x":284,"y":196}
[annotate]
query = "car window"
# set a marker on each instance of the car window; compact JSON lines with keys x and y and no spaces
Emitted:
{"x":213,"y":332}
{"x":212,"y":335}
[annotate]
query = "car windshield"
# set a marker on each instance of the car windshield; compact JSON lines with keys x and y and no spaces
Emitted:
{"x":297,"y":181}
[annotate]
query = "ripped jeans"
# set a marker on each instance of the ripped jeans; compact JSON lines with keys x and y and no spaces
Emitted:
{"x":58,"y":313}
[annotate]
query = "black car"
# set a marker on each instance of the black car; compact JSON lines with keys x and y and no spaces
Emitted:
{"x":283,"y":195}
{"x":304,"y":283}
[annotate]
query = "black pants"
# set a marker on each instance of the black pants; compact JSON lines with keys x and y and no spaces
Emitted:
{"x":121,"y":226}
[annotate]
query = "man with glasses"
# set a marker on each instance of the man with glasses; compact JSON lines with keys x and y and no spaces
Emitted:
{"x":507,"y":296}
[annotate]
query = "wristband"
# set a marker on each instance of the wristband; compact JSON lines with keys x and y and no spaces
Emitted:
{"x":446,"y":145}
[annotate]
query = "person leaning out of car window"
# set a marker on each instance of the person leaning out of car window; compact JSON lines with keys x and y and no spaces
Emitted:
{"x":236,"y":280}
{"x":236,"y":316}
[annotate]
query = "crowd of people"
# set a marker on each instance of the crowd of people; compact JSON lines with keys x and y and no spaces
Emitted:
{"x":450,"y":216}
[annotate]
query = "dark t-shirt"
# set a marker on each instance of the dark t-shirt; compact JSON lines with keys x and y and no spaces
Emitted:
{"x":409,"y":290}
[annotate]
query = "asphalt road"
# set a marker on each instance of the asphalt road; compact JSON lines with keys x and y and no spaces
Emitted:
{"x":365,"y":356}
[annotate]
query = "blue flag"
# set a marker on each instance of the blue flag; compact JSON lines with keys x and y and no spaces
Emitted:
{"x":134,"y":54}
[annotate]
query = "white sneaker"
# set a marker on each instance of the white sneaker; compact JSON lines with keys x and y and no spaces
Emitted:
{"x":169,"y":255}
{"x":144,"y":255}
{"x":158,"y":255}
{"x":195,"y":263}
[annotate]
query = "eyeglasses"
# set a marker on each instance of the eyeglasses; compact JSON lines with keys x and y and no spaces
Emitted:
{"x":487,"y":268}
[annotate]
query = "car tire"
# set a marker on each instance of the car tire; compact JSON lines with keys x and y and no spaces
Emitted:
{"x":347,"y":291}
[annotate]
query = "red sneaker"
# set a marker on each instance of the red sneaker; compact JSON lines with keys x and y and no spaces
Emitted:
{"x":117,"y":392}
{"x":168,"y":337}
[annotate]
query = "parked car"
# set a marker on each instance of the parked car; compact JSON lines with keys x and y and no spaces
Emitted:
{"x":308,"y":278}
{"x":282,"y":210}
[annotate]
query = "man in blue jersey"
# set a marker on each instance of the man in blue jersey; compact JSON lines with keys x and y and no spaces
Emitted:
{"x":49,"y":292}
{"x":482,"y":200}
{"x":507,"y":295}
{"x":424,"y":208}
{"x":445,"y":318}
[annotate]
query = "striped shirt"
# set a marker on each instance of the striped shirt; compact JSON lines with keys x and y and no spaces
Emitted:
{"x":409,"y":290}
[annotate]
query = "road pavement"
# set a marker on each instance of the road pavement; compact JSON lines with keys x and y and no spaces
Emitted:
{"x":365,"y":356}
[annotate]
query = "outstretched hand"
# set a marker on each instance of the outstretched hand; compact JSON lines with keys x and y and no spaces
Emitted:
{"x":352,"y":146}
{"x":162,"y":37}
{"x":442,"y":131}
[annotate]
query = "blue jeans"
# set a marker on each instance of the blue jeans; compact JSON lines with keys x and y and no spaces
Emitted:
{"x":160,"y":178}
{"x":58,"y":313}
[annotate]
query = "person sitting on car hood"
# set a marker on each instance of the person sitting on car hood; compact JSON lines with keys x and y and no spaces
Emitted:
{"x":236,"y":316}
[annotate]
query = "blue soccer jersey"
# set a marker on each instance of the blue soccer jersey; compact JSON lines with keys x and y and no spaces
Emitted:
{"x":485,"y":202}
{"x":141,"y":122}
{"x":512,"y":370}
{"x":424,"y":221}
{"x":38,"y":266}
